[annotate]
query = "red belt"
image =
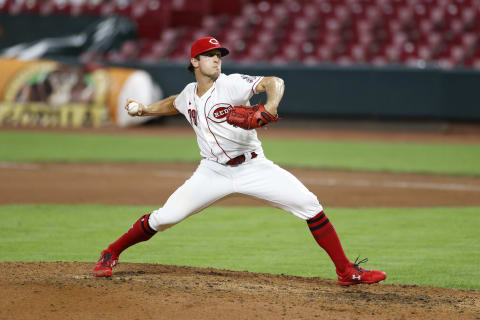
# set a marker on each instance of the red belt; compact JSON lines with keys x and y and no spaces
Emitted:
{"x":240,"y":159}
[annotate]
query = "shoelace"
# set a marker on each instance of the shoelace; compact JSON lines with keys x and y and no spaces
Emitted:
{"x":106,"y":260}
{"x":357,"y":263}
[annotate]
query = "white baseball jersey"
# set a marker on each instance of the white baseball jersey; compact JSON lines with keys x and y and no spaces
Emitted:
{"x":218,"y":140}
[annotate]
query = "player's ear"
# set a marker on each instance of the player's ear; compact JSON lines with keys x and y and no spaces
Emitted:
{"x":195,"y":61}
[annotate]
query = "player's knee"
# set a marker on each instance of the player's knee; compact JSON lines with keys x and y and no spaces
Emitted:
{"x":309,"y":207}
{"x":308,"y":213}
{"x":161,"y":219}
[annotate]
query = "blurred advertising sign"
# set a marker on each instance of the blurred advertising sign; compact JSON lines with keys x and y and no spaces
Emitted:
{"x":51,"y":94}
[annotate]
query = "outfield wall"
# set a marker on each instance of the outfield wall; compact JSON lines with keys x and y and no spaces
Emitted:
{"x":368,"y":92}
{"x":396,"y":93}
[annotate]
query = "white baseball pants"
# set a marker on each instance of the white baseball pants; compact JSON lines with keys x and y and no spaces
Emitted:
{"x":258,"y":177}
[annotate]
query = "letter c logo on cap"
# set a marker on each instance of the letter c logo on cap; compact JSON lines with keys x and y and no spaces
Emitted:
{"x":213,"y":41}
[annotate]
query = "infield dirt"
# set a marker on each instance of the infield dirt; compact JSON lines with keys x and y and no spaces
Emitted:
{"x":139,"y":291}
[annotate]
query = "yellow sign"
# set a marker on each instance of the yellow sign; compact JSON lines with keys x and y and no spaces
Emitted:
{"x":52,"y":94}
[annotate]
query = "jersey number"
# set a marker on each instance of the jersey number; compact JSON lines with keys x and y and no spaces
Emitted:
{"x":193,"y":116}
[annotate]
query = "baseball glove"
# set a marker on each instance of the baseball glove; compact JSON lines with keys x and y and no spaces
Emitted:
{"x":249,"y":118}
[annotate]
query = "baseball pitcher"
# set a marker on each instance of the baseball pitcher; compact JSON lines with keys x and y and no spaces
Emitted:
{"x":217,"y":108}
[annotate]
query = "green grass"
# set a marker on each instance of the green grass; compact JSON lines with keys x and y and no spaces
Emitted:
{"x":41,"y":146}
{"x":378,"y":156}
{"x":463,"y":159}
{"x":428,"y":247}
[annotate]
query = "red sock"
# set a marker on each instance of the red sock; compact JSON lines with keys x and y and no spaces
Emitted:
{"x":140,"y":231}
{"x":326,"y":236}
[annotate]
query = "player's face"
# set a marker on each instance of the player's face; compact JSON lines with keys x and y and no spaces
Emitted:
{"x":210,"y":63}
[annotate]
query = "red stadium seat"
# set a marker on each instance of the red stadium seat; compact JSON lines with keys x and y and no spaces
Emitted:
{"x":92,"y":8}
{"x":425,"y":52}
{"x":359,"y":53}
{"x":311,"y":60}
{"x":108,"y":8}
{"x":393,"y":54}
{"x":469,"y":40}
{"x":230,"y":7}
{"x":257,"y":53}
{"x":47,"y":8}
{"x":446,"y":63}
{"x":345,"y":61}
{"x":347,"y":32}
{"x":476,"y":64}
{"x":5,"y":5}
{"x":325,"y":53}
{"x":279,"y":60}
{"x":469,"y":18}
{"x":14,"y":8}
{"x":77,"y":9}
{"x":379,"y":61}
{"x":457,"y":54}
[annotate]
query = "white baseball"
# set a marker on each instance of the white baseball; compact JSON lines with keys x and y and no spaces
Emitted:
{"x":133,"y":108}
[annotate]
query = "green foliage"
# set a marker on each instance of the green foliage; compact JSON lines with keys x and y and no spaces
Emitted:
{"x":373,"y":156}
{"x":433,"y":247}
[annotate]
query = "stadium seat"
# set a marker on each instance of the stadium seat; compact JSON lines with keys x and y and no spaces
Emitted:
{"x":476,"y":64}
{"x":441,"y":32}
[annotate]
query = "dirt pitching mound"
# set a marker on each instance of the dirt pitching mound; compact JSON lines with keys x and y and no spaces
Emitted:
{"x":141,"y":291}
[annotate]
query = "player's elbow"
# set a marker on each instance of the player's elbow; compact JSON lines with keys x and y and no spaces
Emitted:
{"x":274,"y":83}
{"x":278,"y":82}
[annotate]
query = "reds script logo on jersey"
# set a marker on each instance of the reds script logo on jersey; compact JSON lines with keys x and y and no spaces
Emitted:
{"x":218,"y":113}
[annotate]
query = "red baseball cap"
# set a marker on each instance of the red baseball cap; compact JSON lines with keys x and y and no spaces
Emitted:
{"x":206,"y":44}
